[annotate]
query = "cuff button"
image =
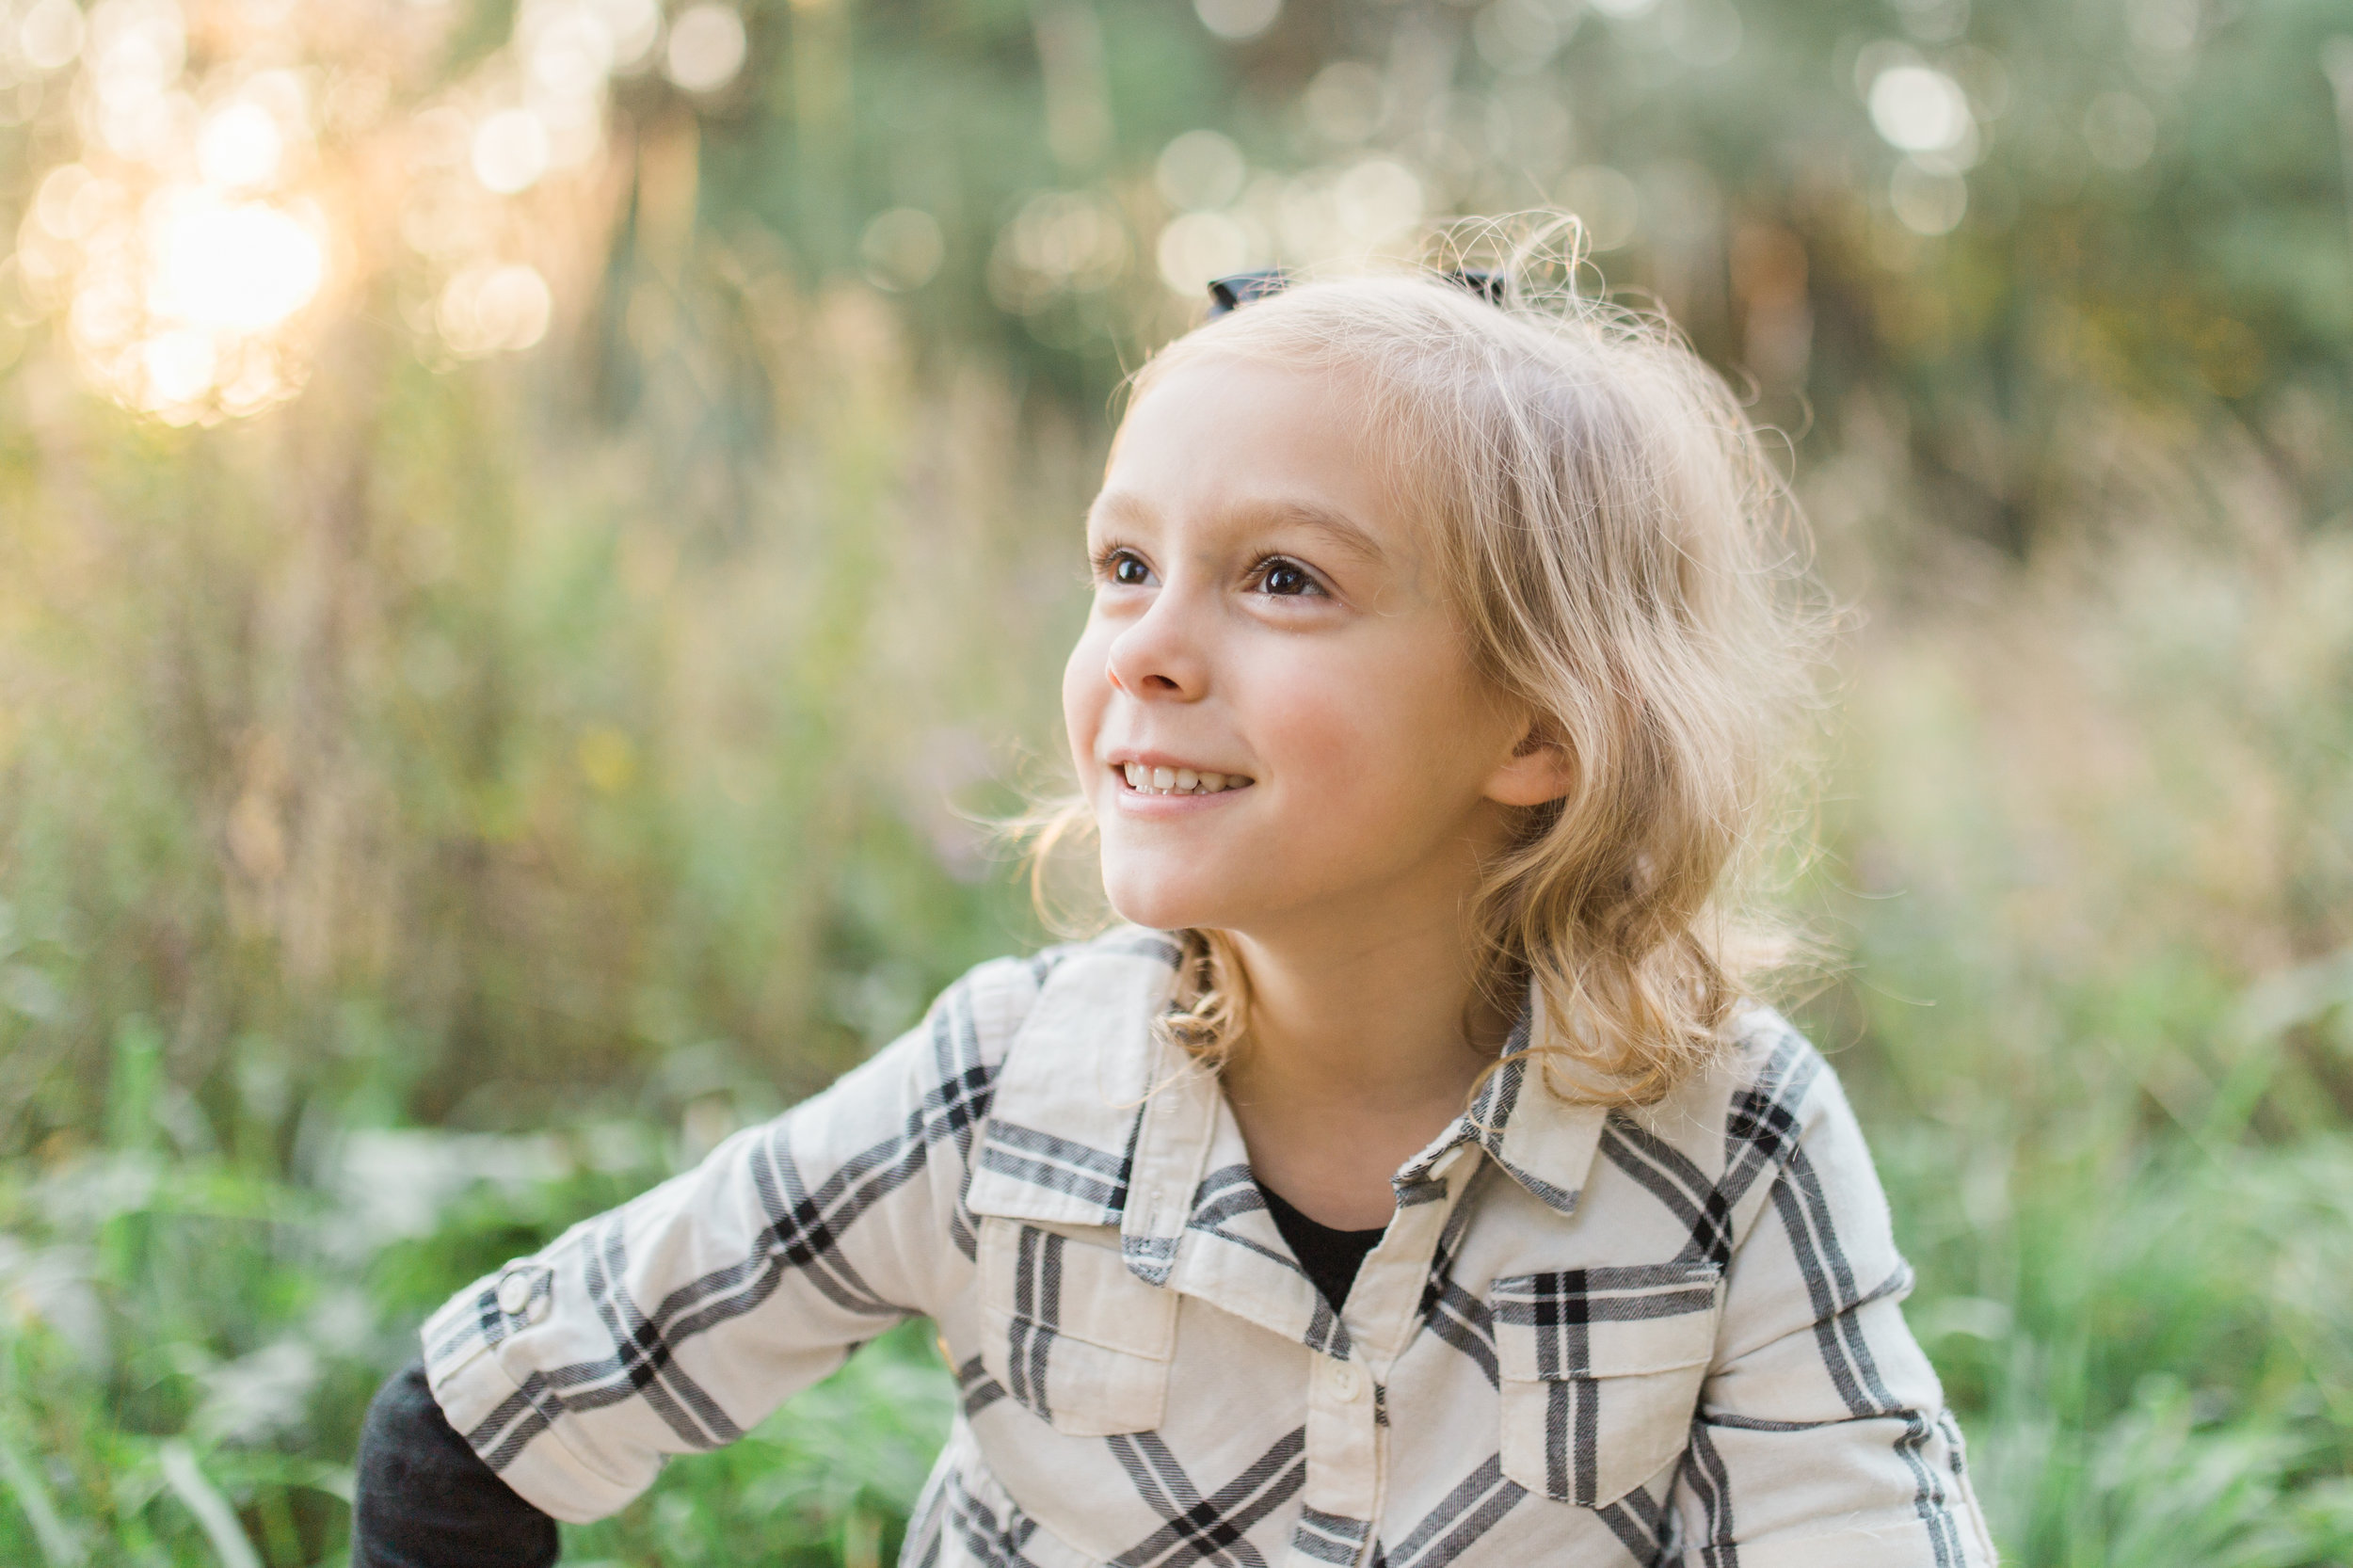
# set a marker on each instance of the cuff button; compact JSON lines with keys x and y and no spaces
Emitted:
{"x":516,"y":1290}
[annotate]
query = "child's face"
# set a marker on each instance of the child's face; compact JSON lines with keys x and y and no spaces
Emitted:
{"x":1264,"y":618}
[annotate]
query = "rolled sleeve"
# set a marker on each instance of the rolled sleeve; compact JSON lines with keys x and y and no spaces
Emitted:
{"x":1822,"y":1437}
{"x":679,"y":1321}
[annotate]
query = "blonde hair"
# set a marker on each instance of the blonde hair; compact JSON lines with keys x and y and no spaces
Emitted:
{"x":1628,"y":562}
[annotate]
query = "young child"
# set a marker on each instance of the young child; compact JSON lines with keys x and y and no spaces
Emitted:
{"x":1412,"y":1181}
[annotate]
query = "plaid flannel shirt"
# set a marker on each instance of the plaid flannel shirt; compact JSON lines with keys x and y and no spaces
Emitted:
{"x":1586,"y":1337}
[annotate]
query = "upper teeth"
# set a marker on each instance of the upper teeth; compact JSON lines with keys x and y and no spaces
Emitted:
{"x":1180,"y":781}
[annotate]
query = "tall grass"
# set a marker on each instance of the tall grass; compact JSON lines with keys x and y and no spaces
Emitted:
{"x":398,"y":763}
{"x":2090,"y":863}
{"x":419,"y":827}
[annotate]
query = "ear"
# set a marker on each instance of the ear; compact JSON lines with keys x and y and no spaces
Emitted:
{"x":1539,"y":769}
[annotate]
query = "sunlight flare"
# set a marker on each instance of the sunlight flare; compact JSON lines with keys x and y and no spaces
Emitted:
{"x":235,"y":266}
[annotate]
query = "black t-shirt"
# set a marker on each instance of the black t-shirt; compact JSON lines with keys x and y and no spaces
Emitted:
{"x":423,"y":1499}
{"x":1330,"y":1256}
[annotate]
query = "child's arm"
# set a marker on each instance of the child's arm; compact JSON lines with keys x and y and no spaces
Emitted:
{"x":681,"y":1320}
{"x":1822,"y":1439}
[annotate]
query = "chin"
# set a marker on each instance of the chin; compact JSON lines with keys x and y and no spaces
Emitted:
{"x":1153,"y":909}
{"x":1161,"y":900}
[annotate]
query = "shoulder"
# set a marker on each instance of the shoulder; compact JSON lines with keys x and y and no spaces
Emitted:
{"x":1076,"y":996}
{"x":1766,"y":1129}
{"x":1059,"y":1038}
{"x":1766,"y":1095}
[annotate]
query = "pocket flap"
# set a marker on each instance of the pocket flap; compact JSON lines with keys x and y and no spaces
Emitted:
{"x":1078,"y":1289}
{"x":1019,"y":1173}
{"x":1606,"y":1322}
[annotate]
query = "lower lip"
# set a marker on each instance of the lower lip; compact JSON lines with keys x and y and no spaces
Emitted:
{"x":1143,"y":803}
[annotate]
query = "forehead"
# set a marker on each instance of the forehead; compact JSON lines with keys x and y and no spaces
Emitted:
{"x":1219,"y":435}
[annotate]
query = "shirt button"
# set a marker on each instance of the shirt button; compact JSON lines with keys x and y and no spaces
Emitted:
{"x":1346,"y":1380}
{"x":514,"y":1293}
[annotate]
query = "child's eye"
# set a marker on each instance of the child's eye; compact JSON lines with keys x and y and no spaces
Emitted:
{"x":1286,"y":579}
{"x":1123,"y":567}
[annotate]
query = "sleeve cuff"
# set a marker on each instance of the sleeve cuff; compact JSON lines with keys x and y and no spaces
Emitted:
{"x":515,"y":1428}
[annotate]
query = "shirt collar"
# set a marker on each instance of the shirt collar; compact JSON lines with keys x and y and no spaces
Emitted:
{"x":1543,"y":1141}
{"x":1098,"y":1120}
{"x":1066,"y":1112}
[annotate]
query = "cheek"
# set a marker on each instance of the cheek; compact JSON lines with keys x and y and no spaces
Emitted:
{"x":1376,"y":742}
{"x":1084,"y":690}
{"x":1339,"y":719}
{"x":1318,"y":733}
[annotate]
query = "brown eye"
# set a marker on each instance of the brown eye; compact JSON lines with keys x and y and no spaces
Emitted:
{"x":1130,"y":572}
{"x":1286,"y":579}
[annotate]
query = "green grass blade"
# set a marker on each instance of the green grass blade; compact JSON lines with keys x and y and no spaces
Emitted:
{"x":60,"y":1546}
{"x":219,"y":1521}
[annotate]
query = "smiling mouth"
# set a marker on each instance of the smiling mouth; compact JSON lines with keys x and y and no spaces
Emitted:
{"x":1181,"y":781}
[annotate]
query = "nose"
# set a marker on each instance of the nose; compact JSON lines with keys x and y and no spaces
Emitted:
{"x":1158,"y":657}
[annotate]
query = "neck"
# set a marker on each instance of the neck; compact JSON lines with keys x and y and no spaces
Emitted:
{"x":1372,"y":1019}
{"x":1361,"y":1048}
{"x":1366,"y":1033}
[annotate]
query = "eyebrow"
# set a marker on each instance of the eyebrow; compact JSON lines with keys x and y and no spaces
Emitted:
{"x":1341,"y":530}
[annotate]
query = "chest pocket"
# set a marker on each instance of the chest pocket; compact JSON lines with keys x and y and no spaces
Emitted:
{"x":1069,"y":1332}
{"x":1600,"y":1371}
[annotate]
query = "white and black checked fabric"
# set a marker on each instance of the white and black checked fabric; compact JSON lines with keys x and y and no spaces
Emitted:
{"x":1587,"y":1337}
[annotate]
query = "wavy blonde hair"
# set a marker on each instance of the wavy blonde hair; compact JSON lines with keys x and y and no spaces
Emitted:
{"x":1628,"y":562}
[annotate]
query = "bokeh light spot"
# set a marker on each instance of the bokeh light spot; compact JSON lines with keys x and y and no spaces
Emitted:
{"x":1346,"y":101}
{"x":633,"y":26}
{"x":570,"y":54}
{"x":55,"y":201}
{"x":1060,"y":241}
{"x":240,"y":145}
{"x":487,"y":309}
{"x":707,"y":48}
{"x":510,"y":151}
{"x":1516,"y":34}
{"x":1928,"y":200}
{"x":1200,"y":169}
{"x":903,"y":248}
{"x":1917,"y":108}
{"x":1378,"y":198}
{"x":179,"y":366}
{"x":1236,"y":20}
{"x":136,"y":48}
{"x":243,"y":267}
{"x":50,"y":35}
{"x":1198,"y":247}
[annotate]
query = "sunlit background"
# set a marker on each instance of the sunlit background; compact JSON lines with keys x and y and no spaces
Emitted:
{"x":535,"y":539}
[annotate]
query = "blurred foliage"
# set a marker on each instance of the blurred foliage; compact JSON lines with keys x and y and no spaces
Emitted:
{"x":437,"y":806}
